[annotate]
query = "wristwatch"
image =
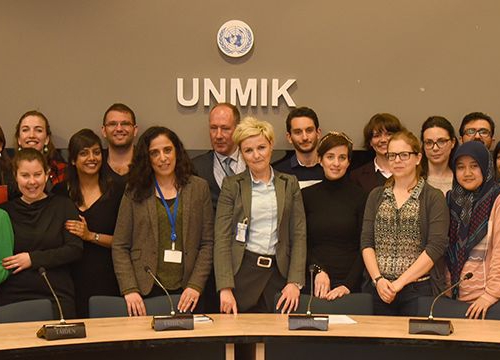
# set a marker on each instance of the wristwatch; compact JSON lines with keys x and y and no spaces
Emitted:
{"x":298,"y":285}
{"x":375,"y":281}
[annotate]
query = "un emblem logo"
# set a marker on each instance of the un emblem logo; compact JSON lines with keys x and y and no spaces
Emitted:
{"x":235,"y":38}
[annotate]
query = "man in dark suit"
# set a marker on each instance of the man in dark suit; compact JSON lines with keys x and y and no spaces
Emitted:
{"x":223,"y":160}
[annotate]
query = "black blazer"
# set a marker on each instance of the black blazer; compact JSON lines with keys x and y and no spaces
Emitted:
{"x":204,"y":168}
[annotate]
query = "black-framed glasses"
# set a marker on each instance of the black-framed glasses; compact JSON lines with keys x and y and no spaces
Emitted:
{"x":429,"y":144}
{"x":403,"y":155}
{"x":483,"y":132}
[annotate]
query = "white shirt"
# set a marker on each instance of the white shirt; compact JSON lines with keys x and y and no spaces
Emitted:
{"x":237,"y":165}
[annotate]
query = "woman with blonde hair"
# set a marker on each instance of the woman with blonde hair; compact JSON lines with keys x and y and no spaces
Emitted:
{"x":405,"y":233}
{"x":260,"y":230}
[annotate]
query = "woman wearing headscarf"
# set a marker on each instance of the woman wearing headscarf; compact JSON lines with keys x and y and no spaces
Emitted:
{"x":474,"y":229}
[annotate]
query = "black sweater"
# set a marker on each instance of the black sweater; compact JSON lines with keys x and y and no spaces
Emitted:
{"x":334,"y":213}
{"x":39,"y":230}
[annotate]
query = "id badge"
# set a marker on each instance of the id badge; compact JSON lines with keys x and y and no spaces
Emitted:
{"x":241,"y":231}
{"x":172,"y":256}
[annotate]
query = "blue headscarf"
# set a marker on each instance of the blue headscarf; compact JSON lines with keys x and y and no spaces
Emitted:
{"x":469,"y":210}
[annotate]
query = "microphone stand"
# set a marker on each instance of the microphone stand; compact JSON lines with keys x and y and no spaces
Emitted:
{"x":308,"y":321}
{"x":63,"y":330}
{"x":430,"y":325}
{"x":173,"y":321}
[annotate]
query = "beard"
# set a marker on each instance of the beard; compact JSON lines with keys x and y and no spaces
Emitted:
{"x":303,"y":150}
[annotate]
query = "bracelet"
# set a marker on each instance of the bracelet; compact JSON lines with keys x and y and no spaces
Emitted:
{"x":96,"y":238}
{"x":317,"y":268}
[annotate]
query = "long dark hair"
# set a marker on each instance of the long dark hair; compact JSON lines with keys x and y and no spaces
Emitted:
{"x":84,"y":138}
{"x":140,"y":181}
{"x":443,"y":123}
{"x":5,"y":163}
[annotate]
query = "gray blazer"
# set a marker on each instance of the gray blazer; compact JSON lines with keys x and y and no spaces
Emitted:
{"x":235,"y":205}
{"x":135,"y":241}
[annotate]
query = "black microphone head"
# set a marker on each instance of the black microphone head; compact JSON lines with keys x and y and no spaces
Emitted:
{"x":312,"y":268}
{"x":41,"y":270}
{"x":147,"y":269}
{"x":468,"y":276}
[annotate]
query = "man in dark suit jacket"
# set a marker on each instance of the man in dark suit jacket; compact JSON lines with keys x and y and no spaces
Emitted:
{"x":211,"y":166}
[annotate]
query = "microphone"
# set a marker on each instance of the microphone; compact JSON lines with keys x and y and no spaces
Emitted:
{"x":173,"y":321}
{"x":43,"y":273}
{"x":431,"y":326}
{"x":466,"y":277}
{"x":63,"y":330}
{"x":308,"y":321}
{"x":312,"y":270}
{"x":148,"y":270}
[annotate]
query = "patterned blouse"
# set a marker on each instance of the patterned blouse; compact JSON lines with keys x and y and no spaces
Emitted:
{"x":397,"y":233}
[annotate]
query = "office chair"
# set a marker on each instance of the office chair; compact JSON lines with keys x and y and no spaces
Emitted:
{"x":115,"y":306}
{"x":28,"y":310}
{"x":351,"y":304}
{"x":449,"y":308}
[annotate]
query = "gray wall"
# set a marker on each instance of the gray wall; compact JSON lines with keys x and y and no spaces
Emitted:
{"x":72,"y":58}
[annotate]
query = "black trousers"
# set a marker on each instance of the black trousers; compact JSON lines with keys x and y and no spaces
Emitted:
{"x":406,"y":301}
{"x":255,"y":286}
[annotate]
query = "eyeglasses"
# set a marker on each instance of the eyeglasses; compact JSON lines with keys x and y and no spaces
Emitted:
{"x":123,"y":124}
{"x":429,"y":144}
{"x":472,"y":132}
{"x":403,"y":155}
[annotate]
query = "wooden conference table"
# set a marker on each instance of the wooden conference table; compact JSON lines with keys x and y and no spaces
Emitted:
{"x":373,"y":337}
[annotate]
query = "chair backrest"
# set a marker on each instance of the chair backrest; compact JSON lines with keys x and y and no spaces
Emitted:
{"x":449,"y":308}
{"x":28,"y":310}
{"x":115,"y":306}
{"x":351,"y":304}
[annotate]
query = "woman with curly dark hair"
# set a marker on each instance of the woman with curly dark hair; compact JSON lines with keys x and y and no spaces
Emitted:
{"x":165,"y":223}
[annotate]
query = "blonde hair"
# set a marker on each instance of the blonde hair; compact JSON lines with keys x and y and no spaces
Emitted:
{"x":251,"y":126}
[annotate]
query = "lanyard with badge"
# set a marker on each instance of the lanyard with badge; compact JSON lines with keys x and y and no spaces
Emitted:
{"x":172,"y":255}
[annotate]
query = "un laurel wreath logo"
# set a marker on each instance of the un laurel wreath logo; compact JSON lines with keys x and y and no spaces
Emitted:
{"x":235,"y":38}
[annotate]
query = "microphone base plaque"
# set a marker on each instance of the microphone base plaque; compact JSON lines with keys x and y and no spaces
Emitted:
{"x":173,"y":322}
{"x":62,"y":331}
{"x":430,"y":327}
{"x":308,"y":322}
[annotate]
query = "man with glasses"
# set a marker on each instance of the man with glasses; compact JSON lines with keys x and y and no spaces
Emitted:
{"x":478,"y":126}
{"x":119,"y":129}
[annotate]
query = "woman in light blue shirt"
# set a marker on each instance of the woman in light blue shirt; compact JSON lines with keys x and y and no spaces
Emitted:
{"x":260,"y":230}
